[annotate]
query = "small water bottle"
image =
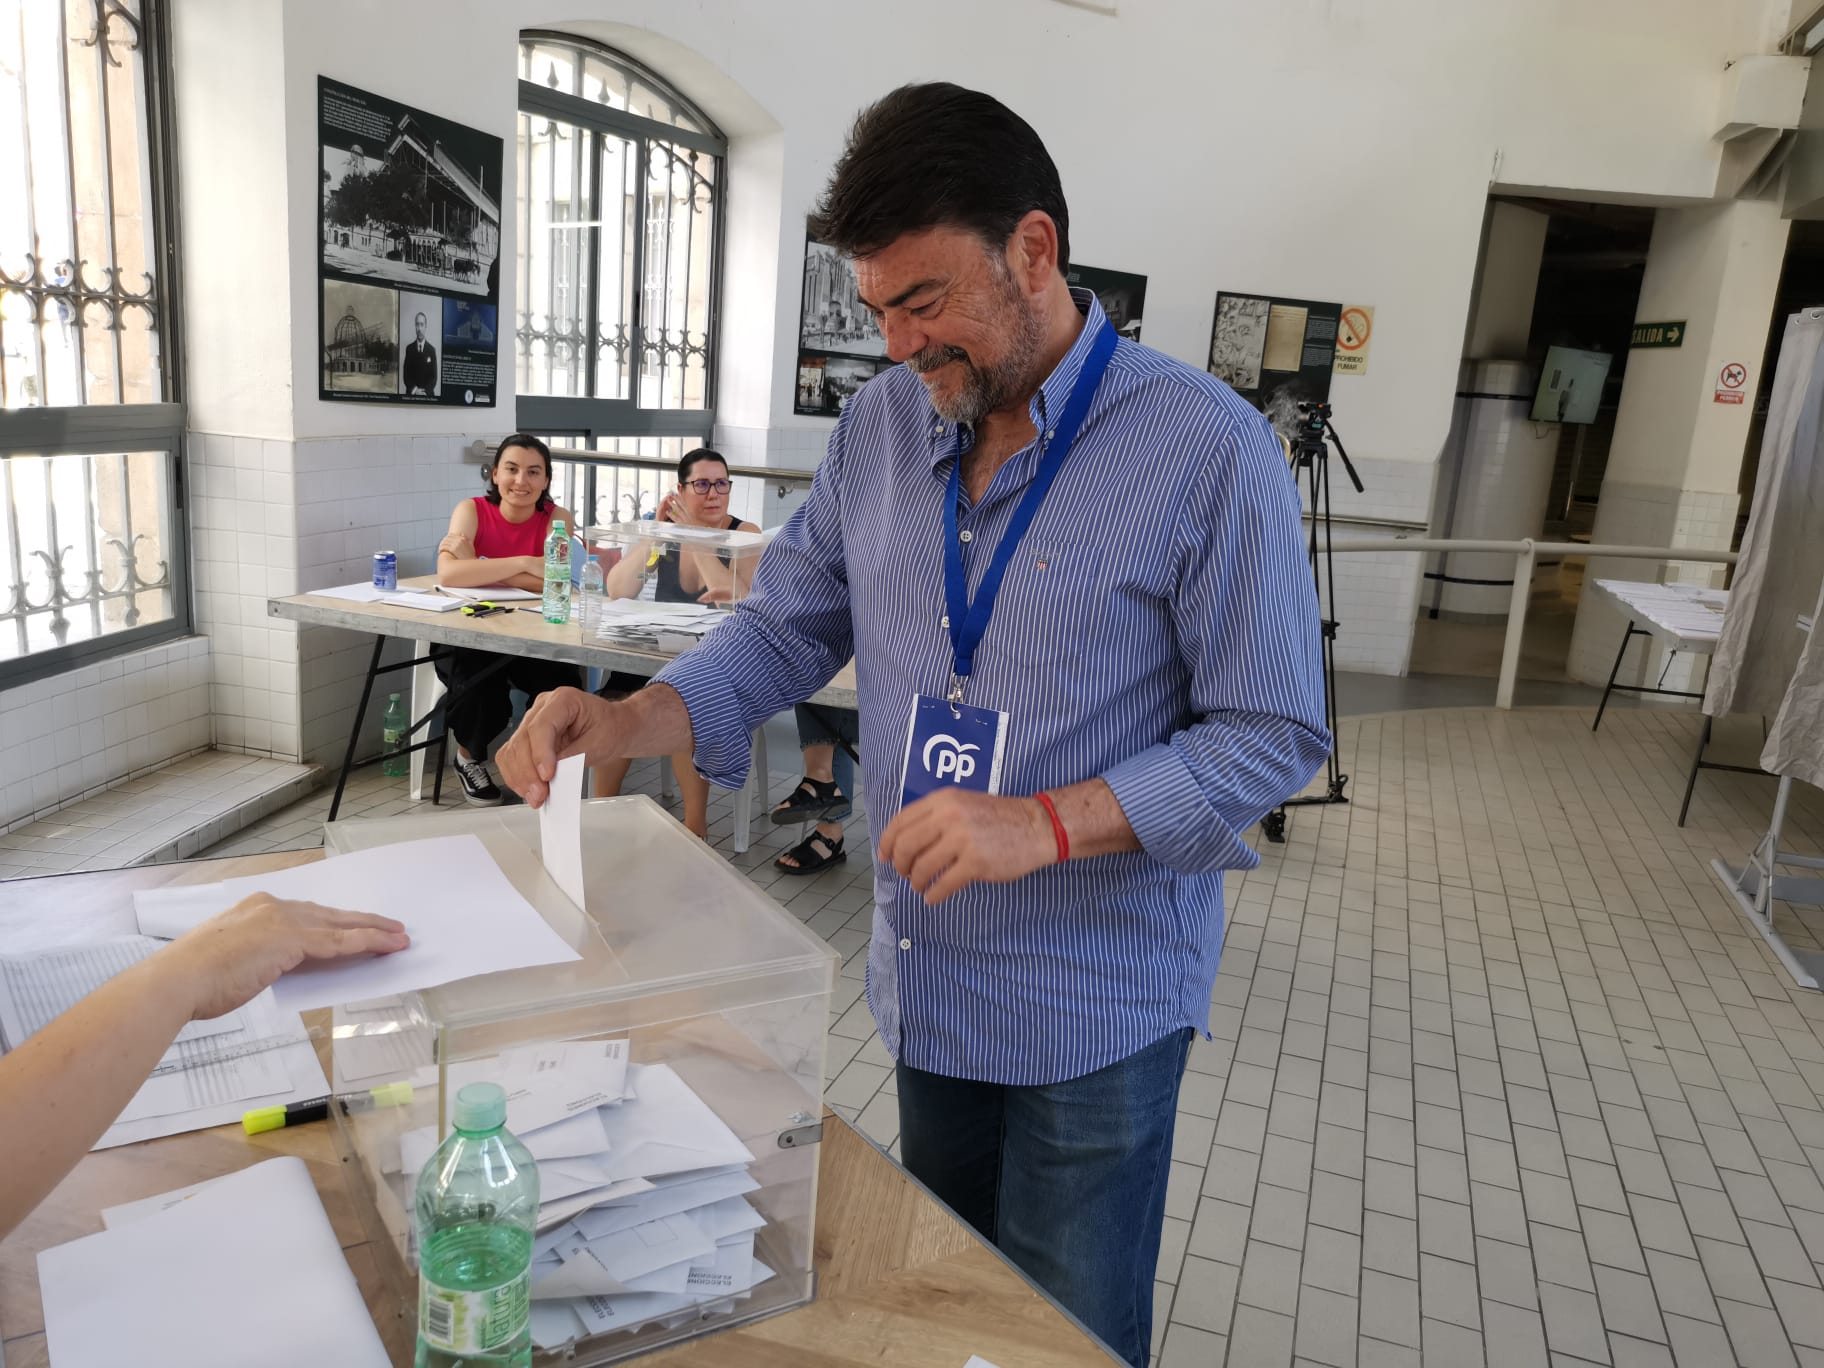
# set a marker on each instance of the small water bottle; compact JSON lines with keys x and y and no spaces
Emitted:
{"x":475,"y":1211}
{"x":594,"y":589}
{"x":392,"y":736}
{"x":557,"y":573}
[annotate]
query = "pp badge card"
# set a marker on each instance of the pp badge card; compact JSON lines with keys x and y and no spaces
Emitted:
{"x":953,"y":747}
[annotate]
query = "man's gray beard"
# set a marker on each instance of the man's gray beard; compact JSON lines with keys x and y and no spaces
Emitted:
{"x":987,"y":388}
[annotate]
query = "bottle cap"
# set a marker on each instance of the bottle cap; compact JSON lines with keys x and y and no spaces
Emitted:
{"x":481,"y":1107}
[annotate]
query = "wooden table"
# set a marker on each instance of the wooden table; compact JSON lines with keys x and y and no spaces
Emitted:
{"x":901,"y":1282}
{"x":513,"y":633}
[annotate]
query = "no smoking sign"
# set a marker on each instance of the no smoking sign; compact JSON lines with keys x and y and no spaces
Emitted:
{"x":1730,"y":383}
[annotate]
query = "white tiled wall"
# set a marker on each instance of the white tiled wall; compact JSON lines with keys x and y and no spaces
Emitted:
{"x":357,"y":496}
{"x":65,"y":738}
{"x":1377,"y":593}
{"x":244,"y":549}
{"x":274,"y":518}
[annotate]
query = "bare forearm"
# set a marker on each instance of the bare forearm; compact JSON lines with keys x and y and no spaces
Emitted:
{"x":627,"y":574}
{"x":475,"y":573}
{"x":65,"y":1086}
{"x":653,"y":721}
{"x":1092,"y":819}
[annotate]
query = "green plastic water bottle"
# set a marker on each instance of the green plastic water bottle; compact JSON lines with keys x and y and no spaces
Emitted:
{"x":557,"y":573}
{"x":477,"y":1210}
{"x":392,"y":736}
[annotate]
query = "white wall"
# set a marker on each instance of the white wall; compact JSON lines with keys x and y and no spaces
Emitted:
{"x":1303,"y":147}
{"x":1339,"y":152}
{"x":70,"y":736}
{"x":228,"y":58}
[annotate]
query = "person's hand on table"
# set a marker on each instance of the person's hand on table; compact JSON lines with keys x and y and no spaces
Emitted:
{"x":956,"y":837}
{"x":559,"y":724}
{"x":73,"y":1076}
{"x":229,"y":959}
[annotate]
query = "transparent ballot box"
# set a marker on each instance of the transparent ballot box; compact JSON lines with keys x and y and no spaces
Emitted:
{"x":666,"y":585}
{"x":675,"y":1073}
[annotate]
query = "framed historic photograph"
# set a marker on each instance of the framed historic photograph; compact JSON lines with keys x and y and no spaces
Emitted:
{"x":410,"y":207}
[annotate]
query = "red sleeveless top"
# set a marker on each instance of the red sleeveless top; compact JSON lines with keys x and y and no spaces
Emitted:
{"x":495,"y":537}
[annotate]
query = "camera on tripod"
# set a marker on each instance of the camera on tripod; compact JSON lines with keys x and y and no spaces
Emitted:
{"x":1307,"y":440}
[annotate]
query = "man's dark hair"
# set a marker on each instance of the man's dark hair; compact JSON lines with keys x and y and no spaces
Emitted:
{"x":528,"y":442}
{"x":936,"y":155}
{"x":696,"y":454}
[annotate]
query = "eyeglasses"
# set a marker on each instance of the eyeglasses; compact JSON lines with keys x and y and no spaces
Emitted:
{"x":707,"y":486}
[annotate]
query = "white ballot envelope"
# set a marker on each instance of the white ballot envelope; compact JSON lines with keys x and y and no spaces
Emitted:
{"x":669,"y":1130}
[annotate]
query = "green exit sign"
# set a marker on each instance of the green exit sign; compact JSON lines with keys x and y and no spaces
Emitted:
{"x":1658,"y":334}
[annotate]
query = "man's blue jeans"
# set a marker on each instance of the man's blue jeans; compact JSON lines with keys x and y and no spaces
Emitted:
{"x":1066,"y":1179}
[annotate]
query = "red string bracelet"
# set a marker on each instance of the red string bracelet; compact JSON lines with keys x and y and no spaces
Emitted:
{"x":1057,"y":827}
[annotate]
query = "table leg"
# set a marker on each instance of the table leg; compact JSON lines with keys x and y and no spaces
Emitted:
{"x":1626,"y":637}
{"x":354,"y":730}
{"x":426,"y":690}
{"x":1697,"y":760}
{"x":754,"y":784}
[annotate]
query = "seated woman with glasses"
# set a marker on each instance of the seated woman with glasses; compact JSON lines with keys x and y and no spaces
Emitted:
{"x":681,"y":574}
{"x":498,"y":538}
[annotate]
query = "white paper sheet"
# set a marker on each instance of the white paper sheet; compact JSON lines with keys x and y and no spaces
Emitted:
{"x":552,"y":1214}
{"x":298,"y":1063}
{"x":668,"y":1200}
{"x":128,"y":1212}
{"x":464,"y":917}
{"x":353,"y":593}
{"x":560,"y":830}
{"x":977,"y":1361}
{"x":668,"y":1130}
{"x":245,"y":1267}
{"x":430,"y":603}
{"x":547,"y":1082}
{"x":37,"y":988}
{"x":556,"y":1323}
{"x":597,"y":1314}
{"x":493,"y":593}
{"x":608,"y":1266}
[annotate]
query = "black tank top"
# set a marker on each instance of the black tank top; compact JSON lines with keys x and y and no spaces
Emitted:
{"x":670,"y":588}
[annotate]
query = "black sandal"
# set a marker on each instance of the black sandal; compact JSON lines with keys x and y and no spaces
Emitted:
{"x":813,"y":853}
{"x":809,"y":801}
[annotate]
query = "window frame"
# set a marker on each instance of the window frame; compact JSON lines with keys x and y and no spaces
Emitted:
{"x":104,"y":429}
{"x":588,"y":414}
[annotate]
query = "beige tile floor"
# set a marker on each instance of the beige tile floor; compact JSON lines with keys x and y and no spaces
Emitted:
{"x":1498,"y":1074}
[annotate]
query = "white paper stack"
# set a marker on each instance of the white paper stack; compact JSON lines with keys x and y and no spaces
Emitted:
{"x":258,"y":1055}
{"x":669,"y":626}
{"x":644,"y":1213}
{"x":244,"y":1269}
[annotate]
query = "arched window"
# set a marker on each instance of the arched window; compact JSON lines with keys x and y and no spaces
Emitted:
{"x":620,"y":184}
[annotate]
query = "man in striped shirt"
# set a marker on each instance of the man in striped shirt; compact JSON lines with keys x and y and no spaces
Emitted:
{"x":1042,"y":952}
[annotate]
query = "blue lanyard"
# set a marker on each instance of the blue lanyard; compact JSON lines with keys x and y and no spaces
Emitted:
{"x":969,"y":621}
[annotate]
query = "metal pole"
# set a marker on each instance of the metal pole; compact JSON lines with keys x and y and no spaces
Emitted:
{"x":1516,"y":625}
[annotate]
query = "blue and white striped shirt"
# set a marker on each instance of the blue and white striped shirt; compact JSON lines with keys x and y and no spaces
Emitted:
{"x":1158,"y":627}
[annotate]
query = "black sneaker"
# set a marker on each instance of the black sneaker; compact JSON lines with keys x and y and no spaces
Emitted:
{"x":478,"y":785}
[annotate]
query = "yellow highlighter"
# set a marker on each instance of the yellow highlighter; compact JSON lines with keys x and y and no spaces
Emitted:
{"x":297,"y":1113}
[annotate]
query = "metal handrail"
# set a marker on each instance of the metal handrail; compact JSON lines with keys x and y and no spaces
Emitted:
{"x":783,"y":476}
{"x":1525,"y":551}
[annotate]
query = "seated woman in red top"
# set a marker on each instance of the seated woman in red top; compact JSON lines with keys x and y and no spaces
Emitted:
{"x":498,"y":538}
